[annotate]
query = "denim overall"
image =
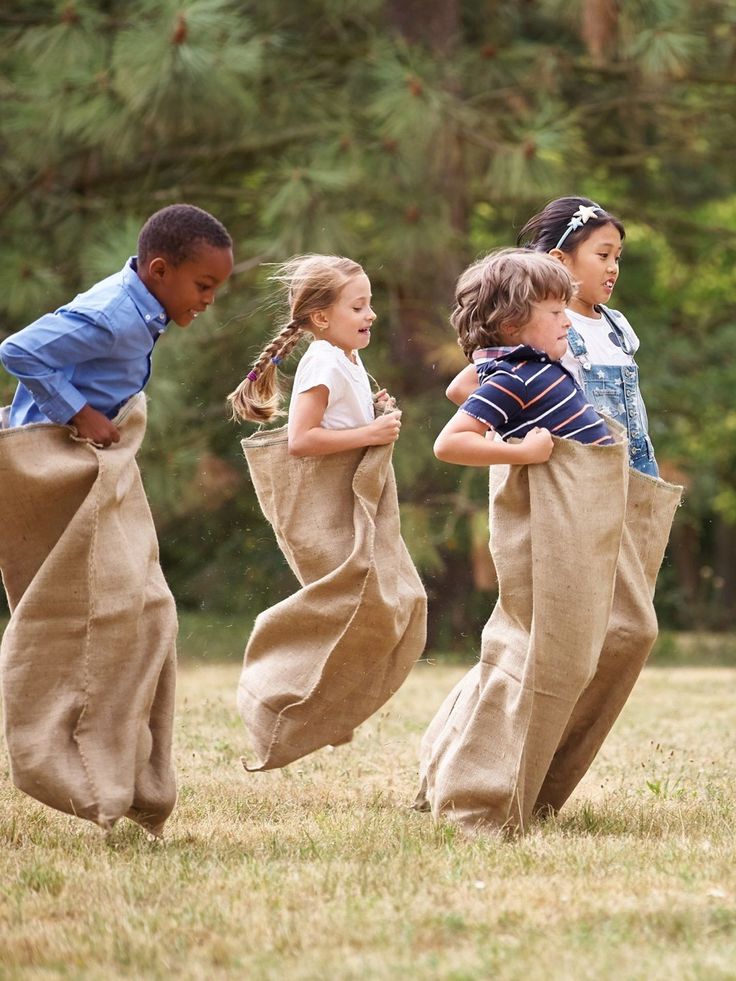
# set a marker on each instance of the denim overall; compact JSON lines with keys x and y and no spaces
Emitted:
{"x":614,"y":390}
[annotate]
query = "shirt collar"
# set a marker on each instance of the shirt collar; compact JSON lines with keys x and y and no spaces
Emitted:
{"x":482,"y":354}
{"x":146,"y":303}
{"x":519,"y":352}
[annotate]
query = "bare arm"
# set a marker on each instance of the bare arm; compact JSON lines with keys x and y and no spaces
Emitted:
{"x":463,"y":441}
{"x":463,"y":385}
{"x":308,"y":438}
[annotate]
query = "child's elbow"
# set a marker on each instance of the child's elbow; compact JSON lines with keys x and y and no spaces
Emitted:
{"x":297,"y":446}
{"x":453,"y":393}
{"x":440,"y":449}
{"x":6,"y":354}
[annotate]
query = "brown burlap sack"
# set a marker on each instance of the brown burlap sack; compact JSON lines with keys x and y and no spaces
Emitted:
{"x":577,"y":552}
{"x":323,"y":660}
{"x":87,"y":661}
{"x":631,"y":633}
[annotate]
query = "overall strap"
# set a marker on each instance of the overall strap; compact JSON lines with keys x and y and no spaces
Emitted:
{"x":577,"y":347}
{"x":623,"y":337}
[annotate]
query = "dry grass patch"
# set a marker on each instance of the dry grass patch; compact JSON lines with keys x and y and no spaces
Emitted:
{"x":322,"y":871}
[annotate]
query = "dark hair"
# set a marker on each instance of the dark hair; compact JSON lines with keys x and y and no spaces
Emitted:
{"x":498,"y":292}
{"x":544,"y":230}
{"x":176,"y":231}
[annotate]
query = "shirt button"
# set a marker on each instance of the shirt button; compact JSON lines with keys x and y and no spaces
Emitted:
{"x":148,"y":316}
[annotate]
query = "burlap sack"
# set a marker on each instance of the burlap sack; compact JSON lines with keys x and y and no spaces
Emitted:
{"x":323,"y":660}
{"x":577,"y":552}
{"x":631,"y":633}
{"x":87,"y":662}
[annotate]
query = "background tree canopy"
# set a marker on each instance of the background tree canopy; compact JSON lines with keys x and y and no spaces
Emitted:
{"x":411,"y":136}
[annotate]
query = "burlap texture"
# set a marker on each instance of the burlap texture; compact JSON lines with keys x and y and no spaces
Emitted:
{"x":577,"y":543}
{"x":322,"y":661}
{"x":631,"y":633}
{"x":87,"y":661}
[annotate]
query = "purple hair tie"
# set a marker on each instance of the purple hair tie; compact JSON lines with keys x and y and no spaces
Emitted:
{"x":276,"y":360}
{"x":252,"y":376}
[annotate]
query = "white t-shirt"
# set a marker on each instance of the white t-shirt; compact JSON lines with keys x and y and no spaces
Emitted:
{"x":600,"y":340}
{"x":350,"y":402}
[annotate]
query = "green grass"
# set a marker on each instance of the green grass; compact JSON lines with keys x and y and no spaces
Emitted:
{"x":216,"y":637}
{"x":321,"y":871}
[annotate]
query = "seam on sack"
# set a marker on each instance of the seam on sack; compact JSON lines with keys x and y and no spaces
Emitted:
{"x":88,"y":632}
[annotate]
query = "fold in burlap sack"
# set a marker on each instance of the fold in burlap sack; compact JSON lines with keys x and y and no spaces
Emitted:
{"x":88,"y":658}
{"x":323,"y":660}
{"x":577,"y":543}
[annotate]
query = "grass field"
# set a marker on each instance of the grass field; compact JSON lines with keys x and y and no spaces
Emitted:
{"x":321,"y":871}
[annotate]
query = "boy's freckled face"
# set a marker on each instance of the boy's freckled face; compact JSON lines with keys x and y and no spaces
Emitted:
{"x":547,"y":329}
{"x":186,"y":290}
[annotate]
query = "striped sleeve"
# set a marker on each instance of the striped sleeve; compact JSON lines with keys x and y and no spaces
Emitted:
{"x":498,"y":401}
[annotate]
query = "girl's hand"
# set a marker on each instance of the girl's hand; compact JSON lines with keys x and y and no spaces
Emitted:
{"x":384,"y":429}
{"x":536,"y":447}
{"x":383,"y":401}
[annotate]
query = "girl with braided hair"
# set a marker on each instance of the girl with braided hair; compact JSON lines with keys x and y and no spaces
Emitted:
{"x":332,"y":408}
{"x":321,"y":661}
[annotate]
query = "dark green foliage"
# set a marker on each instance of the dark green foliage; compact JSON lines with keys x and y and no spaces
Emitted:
{"x":410,"y":143}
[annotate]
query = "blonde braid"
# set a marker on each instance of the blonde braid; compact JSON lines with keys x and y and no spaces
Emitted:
{"x":313,"y":283}
{"x":257,"y":398}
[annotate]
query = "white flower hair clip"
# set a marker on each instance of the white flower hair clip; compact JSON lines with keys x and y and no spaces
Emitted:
{"x":579,"y":218}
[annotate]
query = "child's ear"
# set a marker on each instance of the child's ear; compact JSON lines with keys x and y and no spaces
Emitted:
{"x":561,"y":256}
{"x":157,"y":268}
{"x":508,"y":332}
{"x":320,"y":320}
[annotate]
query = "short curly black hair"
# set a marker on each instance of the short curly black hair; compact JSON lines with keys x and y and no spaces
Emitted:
{"x":175,"y":232}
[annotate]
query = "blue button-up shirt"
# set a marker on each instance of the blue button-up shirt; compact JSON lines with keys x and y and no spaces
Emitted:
{"x":95,"y":350}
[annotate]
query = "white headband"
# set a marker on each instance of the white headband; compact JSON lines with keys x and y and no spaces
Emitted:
{"x":581,"y":216}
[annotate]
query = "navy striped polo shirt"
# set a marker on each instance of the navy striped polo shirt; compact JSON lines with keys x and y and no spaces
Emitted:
{"x":522,"y":387}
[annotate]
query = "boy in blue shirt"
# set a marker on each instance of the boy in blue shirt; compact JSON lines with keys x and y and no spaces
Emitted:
{"x":88,"y":660}
{"x":80,"y":364}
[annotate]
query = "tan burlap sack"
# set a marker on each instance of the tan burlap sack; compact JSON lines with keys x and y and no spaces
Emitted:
{"x":631,"y":633}
{"x":87,"y":661}
{"x":323,"y":660}
{"x":577,"y":543}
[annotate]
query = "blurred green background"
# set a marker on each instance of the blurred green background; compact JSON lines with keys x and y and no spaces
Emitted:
{"x":411,"y":136}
